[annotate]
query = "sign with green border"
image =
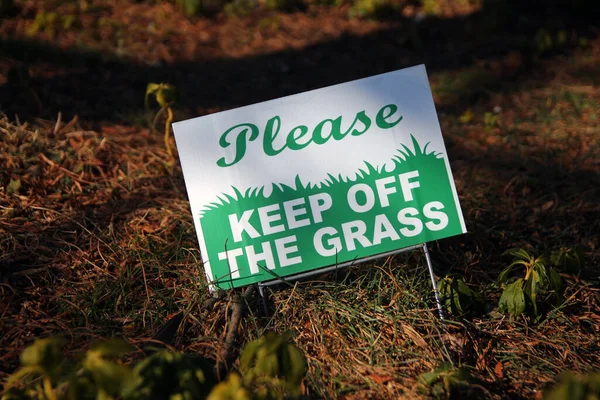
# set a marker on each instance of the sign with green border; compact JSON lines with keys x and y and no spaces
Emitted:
{"x":318,"y":179}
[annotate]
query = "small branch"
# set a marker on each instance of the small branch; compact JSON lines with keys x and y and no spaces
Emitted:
{"x":237,"y":307}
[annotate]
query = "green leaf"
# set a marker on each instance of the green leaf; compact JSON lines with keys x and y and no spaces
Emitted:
{"x":520,"y":254}
{"x":13,"y":186}
{"x":107,"y":375}
{"x":22,"y":372}
{"x":293,"y":367}
{"x":12,"y":393}
{"x":513,"y":298}
{"x":555,"y":280}
{"x":164,"y":94}
{"x":82,"y":387}
{"x":505,"y":274}
{"x":533,"y":284}
{"x":457,"y":297}
{"x":45,"y":354}
{"x":447,"y":381}
{"x":531,"y":288}
{"x":429,"y":378}
{"x":231,"y":389}
{"x":542,"y":273}
{"x":568,"y":260}
{"x":249,"y":354}
{"x":166,"y":375}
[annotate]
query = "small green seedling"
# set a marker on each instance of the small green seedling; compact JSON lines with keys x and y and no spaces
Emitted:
{"x":575,"y":387}
{"x":537,"y":277}
{"x":165,"y":95}
{"x":447,"y":382}
{"x":457,"y":298}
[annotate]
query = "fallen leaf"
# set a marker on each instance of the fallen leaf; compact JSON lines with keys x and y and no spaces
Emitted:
{"x":499,"y":370}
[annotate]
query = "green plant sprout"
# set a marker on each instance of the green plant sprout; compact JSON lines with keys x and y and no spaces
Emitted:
{"x":447,"y":382}
{"x":165,"y":95}
{"x":521,"y":294}
{"x":457,"y":298}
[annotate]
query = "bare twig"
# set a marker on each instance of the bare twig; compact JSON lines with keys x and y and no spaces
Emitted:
{"x":237,"y":308}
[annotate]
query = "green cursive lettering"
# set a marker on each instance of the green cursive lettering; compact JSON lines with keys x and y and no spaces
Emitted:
{"x":240,"y":142}
{"x":324,"y":131}
{"x":382,"y":115}
{"x":270,"y":136}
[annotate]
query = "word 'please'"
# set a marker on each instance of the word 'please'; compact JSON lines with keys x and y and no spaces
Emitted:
{"x":298,"y":137}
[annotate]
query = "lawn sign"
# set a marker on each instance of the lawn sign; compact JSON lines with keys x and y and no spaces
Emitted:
{"x":318,"y":179}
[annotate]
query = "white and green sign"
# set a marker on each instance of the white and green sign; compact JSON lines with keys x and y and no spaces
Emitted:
{"x":319,"y":178}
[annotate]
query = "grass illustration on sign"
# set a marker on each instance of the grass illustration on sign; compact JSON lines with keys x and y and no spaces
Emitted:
{"x":251,"y":237}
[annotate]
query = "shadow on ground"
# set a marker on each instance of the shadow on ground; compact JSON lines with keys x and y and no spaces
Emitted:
{"x":104,"y":88}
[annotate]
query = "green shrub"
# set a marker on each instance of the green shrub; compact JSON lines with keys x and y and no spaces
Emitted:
{"x":166,"y":375}
{"x":272,"y":368}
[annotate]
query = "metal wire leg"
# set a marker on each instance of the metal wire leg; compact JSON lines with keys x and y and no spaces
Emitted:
{"x":431,"y":274}
{"x":261,"y":290}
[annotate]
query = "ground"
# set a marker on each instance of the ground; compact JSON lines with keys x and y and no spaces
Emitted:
{"x":96,"y":235}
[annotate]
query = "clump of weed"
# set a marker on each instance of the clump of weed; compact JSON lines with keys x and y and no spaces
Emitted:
{"x":536,"y":277}
{"x":448,"y":382}
{"x":271,"y":367}
{"x":458,"y":298}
